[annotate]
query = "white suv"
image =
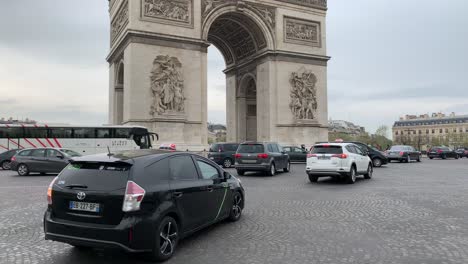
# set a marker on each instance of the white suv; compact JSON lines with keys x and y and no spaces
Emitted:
{"x":344,"y":160}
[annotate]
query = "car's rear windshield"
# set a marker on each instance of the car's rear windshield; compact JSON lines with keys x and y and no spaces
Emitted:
{"x":398,"y":148}
{"x":95,"y":175}
{"x":251,"y":148}
{"x":326,"y":149}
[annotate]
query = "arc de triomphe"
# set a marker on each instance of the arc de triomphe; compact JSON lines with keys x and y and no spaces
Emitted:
{"x":276,"y":68}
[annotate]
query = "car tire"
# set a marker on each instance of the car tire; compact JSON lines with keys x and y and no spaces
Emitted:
{"x":370,"y":172}
{"x":240,"y":172}
{"x":227,"y":163}
{"x":444,"y":157}
{"x":419,"y":159}
{"x":430,"y":157}
{"x":6,"y":165}
{"x":408,"y":159}
{"x":377,"y":162}
{"x":23,"y":170}
{"x":271,"y":170}
{"x":236,"y":209}
{"x":351,"y":179}
{"x":456,"y":157}
{"x":288,"y":167}
{"x":167,"y":236}
{"x":313,"y":179}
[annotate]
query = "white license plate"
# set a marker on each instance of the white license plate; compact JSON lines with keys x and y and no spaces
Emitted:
{"x":249,"y":161}
{"x":88,"y":207}
{"x":323,"y":157}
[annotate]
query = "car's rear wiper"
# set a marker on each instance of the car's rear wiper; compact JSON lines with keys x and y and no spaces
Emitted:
{"x":71,"y":186}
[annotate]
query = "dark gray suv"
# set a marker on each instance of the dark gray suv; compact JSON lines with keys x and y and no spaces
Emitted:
{"x":261,"y":156}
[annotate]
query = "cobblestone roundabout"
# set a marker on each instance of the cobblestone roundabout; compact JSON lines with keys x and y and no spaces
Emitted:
{"x":408,"y":213}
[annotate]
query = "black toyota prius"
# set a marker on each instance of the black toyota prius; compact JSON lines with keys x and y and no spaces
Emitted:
{"x":139,"y":201}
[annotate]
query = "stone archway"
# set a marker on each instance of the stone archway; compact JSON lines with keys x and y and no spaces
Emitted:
{"x":276,"y":48}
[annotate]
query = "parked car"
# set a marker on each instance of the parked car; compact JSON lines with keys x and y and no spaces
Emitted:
{"x":5,"y":158}
{"x":42,"y":160}
{"x":403,"y":154}
{"x":462,"y":152}
{"x":223,"y":153}
{"x":139,"y":201}
{"x":442,"y":152}
{"x":261,"y":156}
{"x":296,"y":154}
{"x":378,"y":157}
{"x":342,"y":160}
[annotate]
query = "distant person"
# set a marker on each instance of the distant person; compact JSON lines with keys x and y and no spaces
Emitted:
{"x":388,"y":147}
{"x":303,"y":147}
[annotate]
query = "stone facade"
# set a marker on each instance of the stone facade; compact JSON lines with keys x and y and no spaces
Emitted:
{"x":425,"y":131}
{"x":276,"y":68}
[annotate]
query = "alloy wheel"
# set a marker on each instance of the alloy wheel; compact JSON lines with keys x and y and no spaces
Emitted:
{"x":22,"y":170}
{"x":237,"y":206}
{"x":377,"y":162}
{"x":6,"y":165}
{"x":168,"y":239}
{"x":227,"y":163}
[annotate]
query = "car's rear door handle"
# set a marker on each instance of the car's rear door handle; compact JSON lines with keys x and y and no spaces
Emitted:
{"x":177,"y":194}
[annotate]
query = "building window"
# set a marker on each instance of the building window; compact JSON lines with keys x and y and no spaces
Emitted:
{"x":419,"y":132}
{"x":433,"y":131}
{"x":441,"y":131}
{"x":446,"y":130}
{"x":414,"y":132}
{"x":427,"y":131}
{"x":396,"y":133}
{"x":454,"y":130}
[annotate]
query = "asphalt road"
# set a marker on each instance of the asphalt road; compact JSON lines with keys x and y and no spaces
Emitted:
{"x":408,"y":213}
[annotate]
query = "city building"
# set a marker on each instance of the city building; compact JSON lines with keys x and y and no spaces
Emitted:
{"x":426,"y":130}
{"x":345,"y":127}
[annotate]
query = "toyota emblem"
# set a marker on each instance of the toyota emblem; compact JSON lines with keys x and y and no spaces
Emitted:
{"x":81,"y":195}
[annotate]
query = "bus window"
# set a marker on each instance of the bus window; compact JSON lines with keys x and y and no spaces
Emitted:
{"x":60,"y":132}
{"x":84,"y":133}
{"x":141,"y":141}
{"x":103,"y":133}
{"x":122,"y":133}
{"x":34,"y":132}
{"x":11,"y":132}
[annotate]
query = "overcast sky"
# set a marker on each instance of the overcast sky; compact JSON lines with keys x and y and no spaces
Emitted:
{"x":389,"y":58}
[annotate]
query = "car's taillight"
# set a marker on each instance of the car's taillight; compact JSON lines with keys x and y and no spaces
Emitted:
{"x":133,"y":196}
{"x":13,"y":158}
{"x":340,"y":156}
{"x":402,"y":153}
{"x":49,"y":191}
{"x":262,"y":156}
{"x":439,"y":151}
{"x":311,"y":155}
{"x":237,"y":156}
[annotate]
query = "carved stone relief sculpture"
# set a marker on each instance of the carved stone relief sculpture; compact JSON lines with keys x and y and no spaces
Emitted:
{"x":177,"y":12}
{"x":167,"y":86}
{"x":119,"y":21}
{"x":303,"y":103}
{"x":266,"y":13}
{"x":302,"y":32}
{"x":321,"y":4}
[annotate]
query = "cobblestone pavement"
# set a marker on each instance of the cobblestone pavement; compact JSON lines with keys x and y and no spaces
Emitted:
{"x":408,"y":213}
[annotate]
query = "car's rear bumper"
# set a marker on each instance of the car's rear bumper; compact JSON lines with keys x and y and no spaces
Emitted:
{"x":337,"y":171}
{"x":252,"y":167}
{"x":91,"y":235}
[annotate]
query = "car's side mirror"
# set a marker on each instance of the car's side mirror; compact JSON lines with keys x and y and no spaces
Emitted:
{"x":226,"y":175}
{"x":60,"y":156}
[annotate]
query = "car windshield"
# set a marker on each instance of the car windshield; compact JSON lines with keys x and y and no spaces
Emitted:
{"x":71,"y":153}
{"x":374,"y":148}
{"x":325,"y":149}
{"x":251,"y":148}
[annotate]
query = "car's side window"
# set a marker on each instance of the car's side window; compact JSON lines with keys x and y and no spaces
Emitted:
{"x":38,"y":153}
{"x":275,"y":148}
{"x":52,"y":153}
{"x":208,"y":172}
{"x":287,"y":149}
{"x":297,"y":150}
{"x":155,"y":173}
{"x":350,"y":149}
{"x":182,"y":168}
{"x":25,"y":153}
{"x":357,"y":150}
{"x":270,"y":148}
